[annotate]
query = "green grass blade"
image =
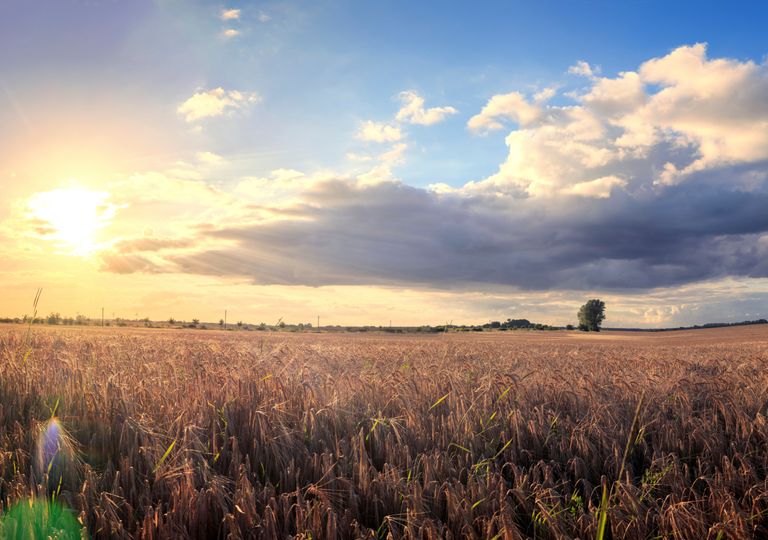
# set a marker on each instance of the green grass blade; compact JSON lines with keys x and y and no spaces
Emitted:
{"x":162,"y":459}
{"x":602,"y":513}
{"x":439,"y":401}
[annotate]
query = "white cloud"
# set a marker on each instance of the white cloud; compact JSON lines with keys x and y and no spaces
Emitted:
{"x":216,"y":102}
{"x":441,"y":188}
{"x":674,"y":117}
{"x":599,"y":188}
{"x":229,"y":14}
{"x":381,"y":173}
{"x":584,"y":69}
{"x":718,"y":107}
{"x":376,"y":168}
{"x":263,"y":17}
{"x":379,"y":132}
{"x":512,"y":106}
{"x":544,"y":95}
{"x":413,"y":111}
{"x":230,"y":33}
{"x":616,"y":97}
{"x":383,"y":165}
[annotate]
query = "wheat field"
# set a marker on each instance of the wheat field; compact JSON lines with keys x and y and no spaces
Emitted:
{"x":212,"y":434}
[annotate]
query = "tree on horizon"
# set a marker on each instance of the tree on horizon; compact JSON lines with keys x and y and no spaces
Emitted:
{"x":591,"y":315}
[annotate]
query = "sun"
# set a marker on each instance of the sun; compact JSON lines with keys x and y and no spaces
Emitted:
{"x":72,"y":217}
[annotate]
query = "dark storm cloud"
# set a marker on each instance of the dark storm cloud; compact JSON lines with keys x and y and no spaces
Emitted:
{"x":390,"y":233}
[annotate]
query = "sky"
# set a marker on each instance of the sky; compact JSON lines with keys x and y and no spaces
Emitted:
{"x":368,"y":162}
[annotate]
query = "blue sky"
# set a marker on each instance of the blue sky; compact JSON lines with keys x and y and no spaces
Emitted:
{"x":104,"y":95}
{"x":324,"y":66}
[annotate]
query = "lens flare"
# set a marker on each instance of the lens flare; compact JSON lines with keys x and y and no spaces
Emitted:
{"x":57,"y":463}
{"x":49,"y":444}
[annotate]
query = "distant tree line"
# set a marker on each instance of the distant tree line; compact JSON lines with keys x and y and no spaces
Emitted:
{"x":52,"y":318}
{"x":590,"y":319}
{"x":695,"y":326}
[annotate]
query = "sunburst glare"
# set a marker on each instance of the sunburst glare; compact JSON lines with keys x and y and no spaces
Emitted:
{"x":72,"y":217}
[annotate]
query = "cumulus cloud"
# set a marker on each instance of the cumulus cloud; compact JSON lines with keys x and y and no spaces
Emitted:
{"x":229,"y":33}
{"x":599,"y":188}
{"x":229,"y":14}
{"x":676,"y":117}
{"x":584,"y":69}
{"x":716,"y":107}
{"x":379,"y":132}
{"x":379,"y":165}
{"x":513,"y":106}
{"x":412,"y":110}
{"x":216,"y":102}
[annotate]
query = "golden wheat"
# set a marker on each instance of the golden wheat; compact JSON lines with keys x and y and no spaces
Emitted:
{"x":255,"y":435}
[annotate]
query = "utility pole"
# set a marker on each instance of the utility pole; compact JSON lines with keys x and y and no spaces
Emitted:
{"x":225,"y":319}
{"x":318,"y":322}
{"x":102,"y":316}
